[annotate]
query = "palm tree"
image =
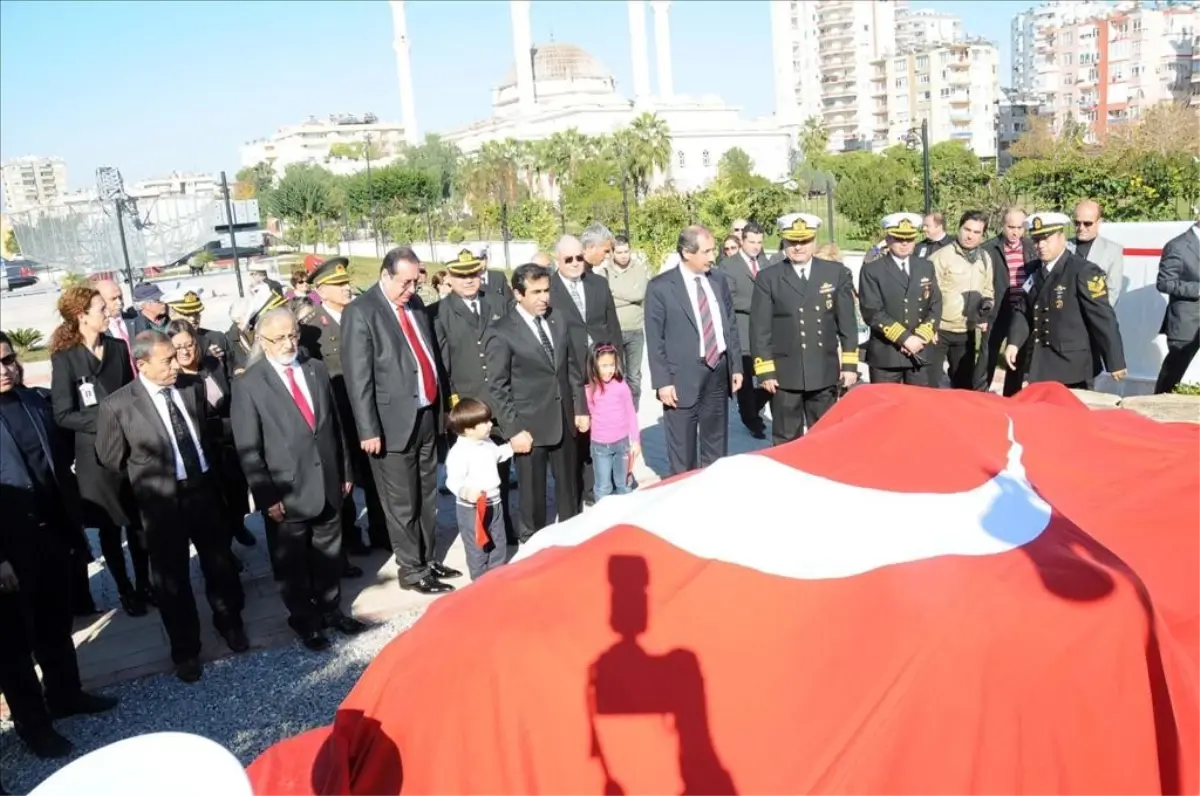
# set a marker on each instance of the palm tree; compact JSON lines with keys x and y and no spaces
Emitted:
{"x":643,"y":148}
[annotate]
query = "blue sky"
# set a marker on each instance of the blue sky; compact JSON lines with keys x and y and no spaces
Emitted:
{"x":154,"y":86}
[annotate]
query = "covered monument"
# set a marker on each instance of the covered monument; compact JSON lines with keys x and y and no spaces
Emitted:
{"x":934,"y":592}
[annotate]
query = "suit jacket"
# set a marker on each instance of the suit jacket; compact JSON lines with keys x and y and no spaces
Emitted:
{"x":741,"y":288}
{"x":17,"y":483}
{"x":1073,"y":328}
{"x":461,"y":338}
{"x":1179,"y":279}
{"x":496,"y":284}
{"x":895,"y":306}
{"x":131,"y":437}
{"x":795,"y":333}
{"x":995,"y":249}
{"x":528,"y":391}
{"x":382,"y":374}
{"x":673,"y":334}
{"x":601,"y":324}
{"x":282,"y":458}
{"x":1110,"y":256}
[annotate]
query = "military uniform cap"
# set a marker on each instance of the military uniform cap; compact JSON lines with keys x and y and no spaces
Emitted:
{"x":467,"y":263}
{"x":798,"y":227}
{"x":185,"y":303}
{"x":332,"y":272}
{"x":902,"y":226}
{"x":273,"y":302}
{"x":1040,"y":224}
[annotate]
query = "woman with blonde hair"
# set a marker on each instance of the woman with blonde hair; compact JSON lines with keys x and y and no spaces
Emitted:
{"x":86,"y":366}
{"x":830,"y":251}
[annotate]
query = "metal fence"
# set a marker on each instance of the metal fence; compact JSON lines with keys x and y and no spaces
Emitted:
{"x":83,"y":237}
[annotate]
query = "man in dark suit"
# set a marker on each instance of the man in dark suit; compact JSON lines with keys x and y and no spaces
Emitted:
{"x":293,"y":452}
{"x":495,"y":280}
{"x":695,"y":353}
{"x":803,"y":310}
{"x":162,"y":435}
{"x":1179,"y":279}
{"x":741,"y":270}
{"x":536,"y":392}
{"x":1066,"y":317}
{"x":36,"y":541}
{"x":901,"y":304}
{"x":584,"y":301}
{"x":321,"y":338}
{"x":389,"y":355}
{"x":1011,"y":252}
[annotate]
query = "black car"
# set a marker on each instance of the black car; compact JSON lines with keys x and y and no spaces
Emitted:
{"x":19,"y":273}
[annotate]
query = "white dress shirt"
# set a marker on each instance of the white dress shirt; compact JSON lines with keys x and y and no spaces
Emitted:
{"x":301,"y":381}
{"x":531,"y":322}
{"x":422,"y":399}
{"x":902,"y":264}
{"x":471,"y":464}
{"x":714,"y":309}
{"x":802,"y":269}
{"x":159,"y":396}
{"x":335,"y":314}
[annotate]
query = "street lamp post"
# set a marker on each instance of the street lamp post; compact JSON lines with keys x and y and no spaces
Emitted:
{"x":625,"y":198}
{"x":371,"y":191}
{"x":912,"y":141}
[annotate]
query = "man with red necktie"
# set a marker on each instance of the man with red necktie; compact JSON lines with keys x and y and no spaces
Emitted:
{"x":389,"y":355}
{"x":293,"y":451}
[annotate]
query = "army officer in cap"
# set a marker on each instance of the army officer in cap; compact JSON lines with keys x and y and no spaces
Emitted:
{"x":801,"y":312}
{"x":461,"y":322}
{"x":901,"y":304}
{"x":188,"y":306}
{"x":321,"y":337}
{"x":1066,"y":311}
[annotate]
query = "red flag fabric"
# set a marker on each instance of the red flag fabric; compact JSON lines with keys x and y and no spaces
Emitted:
{"x":932,"y":592}
{"x":481,"y":534}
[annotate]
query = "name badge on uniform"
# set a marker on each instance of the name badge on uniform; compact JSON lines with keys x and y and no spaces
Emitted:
{"x":1028,"y":286}
{"x":87,"y":393}
{"x":926,"y":289}
{"x":1059,"y":291}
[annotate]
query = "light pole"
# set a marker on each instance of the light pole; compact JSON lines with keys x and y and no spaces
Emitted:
{"x":237,"y":262}
{"x":371,"y":191}
{"x":625,"y":198}
{"x":912,"y":141}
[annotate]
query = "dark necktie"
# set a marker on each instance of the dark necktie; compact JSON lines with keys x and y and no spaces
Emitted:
{"x":803,"y":273}
{"x":183,"y":438}
{"x":708,"y":331}
{"x":473,"y":304}
{"x":540,"y":323}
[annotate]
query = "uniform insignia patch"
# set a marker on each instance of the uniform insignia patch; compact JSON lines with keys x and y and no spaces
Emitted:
{"x":1097,"y":287}
{"x":826,"y":287}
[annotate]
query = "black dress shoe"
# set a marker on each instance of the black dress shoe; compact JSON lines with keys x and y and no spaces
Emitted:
{"x":314,"y":640}
{"x":427,"y":585}
{"x":244,"y":537}
{"x":443,"y":572}
{"x":346,"y":625}
{"x":235,"y":639}
{"x":133,"y":604}
{"x":45,"y":743}
{"x":80,"y":704}
{"x":352,"y":571}
{"x":758,"y":433}
{"x":189,"y":671}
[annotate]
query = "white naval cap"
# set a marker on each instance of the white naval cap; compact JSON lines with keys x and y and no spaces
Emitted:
{"x":798,"y":227}
{"x":1047,"y":223}
{"x":902,"y":226}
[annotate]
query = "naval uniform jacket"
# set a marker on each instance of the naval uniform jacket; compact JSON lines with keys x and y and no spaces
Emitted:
{"x":460,"y":338}
{"x":795,"y":332}
{"x":895,"y":306}
{"x":1073,"y":327}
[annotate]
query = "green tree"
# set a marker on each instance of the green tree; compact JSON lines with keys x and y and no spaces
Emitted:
{"x":402,"y":228}
{"x":641,"y":149}
{"x":657,"y":223}
{"x":535,"y":219}
{"x":735,"y":171}
{"x":331,"y":236}
{"x":439,"y":160}
{"x":594,"y":194}
{"x":303,"y":194}
{"x":10,"y":242}
{"x":813,"y":140}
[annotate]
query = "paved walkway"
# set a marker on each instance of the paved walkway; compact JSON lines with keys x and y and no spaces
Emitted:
{"x":114,"y":647}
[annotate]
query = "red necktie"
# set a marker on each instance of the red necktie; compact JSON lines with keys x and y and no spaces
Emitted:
{"x":753,"y":266}
{"x":428,"y":377}
{"x":301,"y":401}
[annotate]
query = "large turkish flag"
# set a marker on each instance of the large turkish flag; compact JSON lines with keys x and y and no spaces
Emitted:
{"x":933,"y":592}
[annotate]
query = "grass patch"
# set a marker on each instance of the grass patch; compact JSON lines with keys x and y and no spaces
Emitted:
{"x":40,"y":354}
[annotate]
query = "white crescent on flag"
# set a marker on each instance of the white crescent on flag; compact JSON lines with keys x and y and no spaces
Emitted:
{"x":885,"y":528}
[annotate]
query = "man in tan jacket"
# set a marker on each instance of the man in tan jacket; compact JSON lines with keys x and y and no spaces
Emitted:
{"x":964,"y":276}
{"x":627,"y":277}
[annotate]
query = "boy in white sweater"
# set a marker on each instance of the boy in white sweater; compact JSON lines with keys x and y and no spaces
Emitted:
{"x":474,"y":479}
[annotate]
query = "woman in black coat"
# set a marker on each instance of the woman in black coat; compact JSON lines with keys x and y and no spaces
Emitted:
{"x":86,"y":366}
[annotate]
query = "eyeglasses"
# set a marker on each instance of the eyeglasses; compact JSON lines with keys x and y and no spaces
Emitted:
{"x":185,"y":346}
{"x":9,"y":360}
{"x":1080,"y":223}
{"x":574,"y":258}
{"x":730,"y":249}
{"x":739,"y":230}
{"x":291,"y":338}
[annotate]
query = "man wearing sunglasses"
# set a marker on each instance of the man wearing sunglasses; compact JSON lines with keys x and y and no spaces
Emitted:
{"x":1088,"y":244}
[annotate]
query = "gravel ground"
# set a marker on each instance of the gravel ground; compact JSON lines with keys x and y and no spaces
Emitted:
{"x":245,"y":703}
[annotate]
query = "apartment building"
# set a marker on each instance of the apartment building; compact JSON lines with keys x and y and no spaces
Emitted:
{"x":925,"y":28}
{"x":176,"y":183}
{"x":823,"y":50}
{"x":1016,"y":111}
{"x":955,"y":87}
{"x":314,"y":142}
{"x":32,"y":181}
{"x":1030,"y":71}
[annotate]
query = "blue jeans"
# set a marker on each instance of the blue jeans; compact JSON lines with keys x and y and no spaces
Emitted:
{"x":610,"y":464}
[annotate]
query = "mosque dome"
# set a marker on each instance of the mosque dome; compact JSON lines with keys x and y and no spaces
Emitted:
{"x":564,"y":76}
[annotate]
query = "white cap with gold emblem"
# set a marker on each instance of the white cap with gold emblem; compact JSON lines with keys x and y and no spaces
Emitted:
{"x":902,"y":226}
{"x":1048,"y":223}
{"x":798,"y":227}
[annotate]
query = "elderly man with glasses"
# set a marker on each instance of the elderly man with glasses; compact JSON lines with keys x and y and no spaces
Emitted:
{"x":1089,"y":245}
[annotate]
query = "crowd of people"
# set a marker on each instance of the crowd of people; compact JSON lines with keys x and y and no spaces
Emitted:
{"x":159,"y":432}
